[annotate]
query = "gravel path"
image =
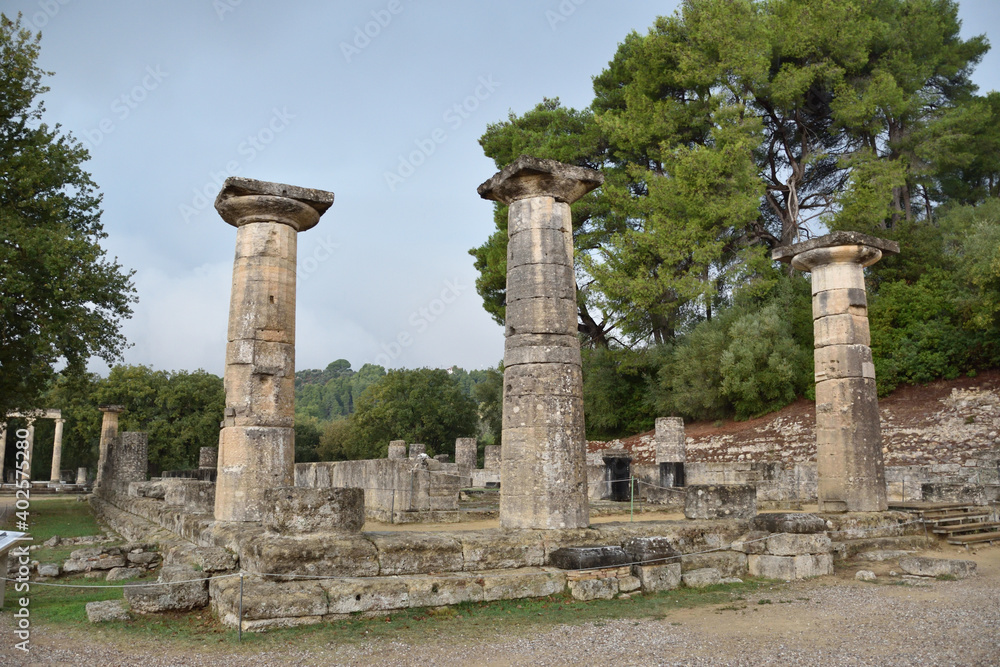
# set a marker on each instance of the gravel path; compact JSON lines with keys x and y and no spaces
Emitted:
{"x":831,"y":621}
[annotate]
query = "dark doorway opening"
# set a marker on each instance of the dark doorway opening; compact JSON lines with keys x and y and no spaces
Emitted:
{"x":618,"y":473}
{"x":672,"y":474}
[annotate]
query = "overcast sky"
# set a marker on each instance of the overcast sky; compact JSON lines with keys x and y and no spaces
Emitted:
{"x":173,"y":96}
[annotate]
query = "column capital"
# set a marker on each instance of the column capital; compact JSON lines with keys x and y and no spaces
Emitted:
{"x":835,"y":248}
{"x":60,"y":420}
{"x":111,"y":408}
{"x":245,"y":200}
{"x":528,"y":177}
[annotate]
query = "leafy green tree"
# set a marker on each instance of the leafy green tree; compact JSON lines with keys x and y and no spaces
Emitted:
{"x":179,"y":410}
{"x":61,"y":298}
{"x":424,"y":405}
{"x":308,"y":433}
{"x":616,"y":391}
{"x":488,"y":393}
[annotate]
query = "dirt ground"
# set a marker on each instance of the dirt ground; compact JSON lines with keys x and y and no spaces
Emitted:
{"x":828,"y":621}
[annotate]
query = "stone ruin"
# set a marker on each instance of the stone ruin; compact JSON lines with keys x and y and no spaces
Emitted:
{"x":296,"y":534}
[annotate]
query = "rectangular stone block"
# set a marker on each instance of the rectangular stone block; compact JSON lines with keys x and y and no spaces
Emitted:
{"x":539,"y":213}
{"x":594,"y":589}
{"x":728,"y":563}
{"x":521,"y":583}
{"x":438,"y":590}
{"x":263,"y":599}
{"x":531,"y":281}
{"x":840,"y":302}
{"x":843,"y":361}
{"x":350,"y":596}
{"x":539,"y":246}
{"x":736,"y":501}
{"x":507,"y":550}
{"x":415,"y":553}
{"x":841,"y":330}
{"x":788,"y":568}
{"x":798,"y":545}
{"x":656,"y":578}
{"x":314,"y":555}
{"x":542,"y":315}
{"x":837,"y":276}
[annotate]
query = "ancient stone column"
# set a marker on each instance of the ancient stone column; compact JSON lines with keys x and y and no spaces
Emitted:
{"x":466,"y":454}
{"x":3,"y":448}
{"x":109,"y":431}
{"x":543,"y":476}
{"x":57,"y":451}
{"x":81,"y":476}
{"x":257,"y":443}
{"x":491,"y":458}
{"x":848,"y":430}
{"x":416,"y":449}
{"x":670,"y":440}
{"x":397,"y":449}
{"x":208,"y":457}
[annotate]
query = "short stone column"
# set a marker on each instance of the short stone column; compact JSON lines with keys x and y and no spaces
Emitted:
{"x":543,"y":474}
{"x":3,"y":448}
{"x":81,"y":476}
{"x":416,"y":449}
{"x":397,"y":450}
{"x":466,"y":454}
{"x":131,"y":460}
{"x":491,"y":458}
{"x":670,"y":440}
{"x":109,"y":431}
{"x":850,"y":468}
{"x":257,"y":443}
{"x":208,"y":458}
{"x":57,"y":451}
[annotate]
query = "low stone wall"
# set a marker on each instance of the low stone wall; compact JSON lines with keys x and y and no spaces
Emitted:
{"x":396,"y":490}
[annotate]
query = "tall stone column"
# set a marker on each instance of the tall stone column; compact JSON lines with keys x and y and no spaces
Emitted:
{"x":57,"y":450}
{"x":257,"y":442}
{"x":543,"y":475}
{"x":3,"y":448}
{"x":109,"y":431}
{"x":848,"y":429}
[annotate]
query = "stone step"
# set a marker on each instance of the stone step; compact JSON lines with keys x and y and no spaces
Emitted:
{"x":966,"y":528}
{"x":922,"y":507}
{"x":847,"y":549}
{"x":956,"y":517}
{"x":975,"y":538}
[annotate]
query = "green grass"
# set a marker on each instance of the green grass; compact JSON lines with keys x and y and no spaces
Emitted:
{"x":65,"y":517}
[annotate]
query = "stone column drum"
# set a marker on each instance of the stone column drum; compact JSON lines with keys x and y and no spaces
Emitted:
{"x":849,"y":460}
{"x":57,"y":451}
{"x":208,"y":457}
{"x":670,"y":440}
{"x":543,"y":476}
{"x":491,"y":458}
{"x":81,"y":476}
{"x":3,"y":448}
{"x":109,"y":431}
{"x":397,"y":450}
{"x":466,"y":454}
{"x":257,"y":442}
{"x":31,"y":448}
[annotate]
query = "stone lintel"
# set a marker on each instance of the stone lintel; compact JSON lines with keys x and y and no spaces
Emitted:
{"x":245,"y":200}
{"x":528,"y":177}
{"x":788,"y":252}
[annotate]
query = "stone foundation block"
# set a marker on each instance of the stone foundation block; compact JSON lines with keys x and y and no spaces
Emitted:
{"x":788,"y":568}
{"x":727,"y":563}
{"x":937,"y":567}
{"x":798,"y":545}
{"x":123,"y":573}
{"x":438,"y":591}
{"x":651,"y":550}
{"x":349,"y":596}
{"x":108,"y":610}
{"x":754,"y":542}
{"x":264,"y":600}
{"x":942,"y":492}
{"x":521,"y":583}
{"x":594,"y":589}
{"x":500,"y":551}
{"x":655,"y":578}
{"x":585,"y":558}
{"x":416,"y":553}
{"x":299,"y":511}
{"x":706,"y":576}
{"x":189,"y":594}
{"x":789,"y":523}
{"x":736,"y":501}
{"x":629,"y":584}
{"x":315,"y":555}
{"x":194,"y":496}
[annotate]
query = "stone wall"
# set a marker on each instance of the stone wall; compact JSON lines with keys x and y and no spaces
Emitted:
{"x":126,"y":461}
{"x":396,"y":490}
